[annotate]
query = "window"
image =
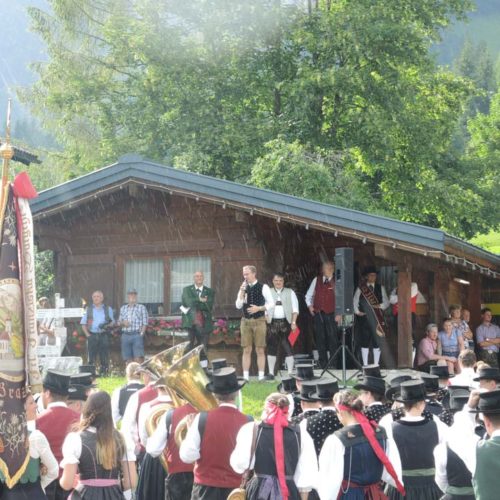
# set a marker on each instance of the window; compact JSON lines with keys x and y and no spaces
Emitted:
{"x":181,"y":275}
{"x":146,"y":276}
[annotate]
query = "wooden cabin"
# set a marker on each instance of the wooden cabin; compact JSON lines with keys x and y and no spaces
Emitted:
{"x":141,"y":224}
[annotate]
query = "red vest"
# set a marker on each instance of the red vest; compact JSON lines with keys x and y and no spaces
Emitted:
{"x":219,"y":440}
{"x":55,"y":423}
{"x":324,"y":295}
{"x":175,"y":464}
{"x":145,"y":395}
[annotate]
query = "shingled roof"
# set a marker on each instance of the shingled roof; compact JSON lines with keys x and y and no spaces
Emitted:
{"x":135,"y":169}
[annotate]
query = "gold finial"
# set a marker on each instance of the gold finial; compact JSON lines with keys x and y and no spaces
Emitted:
{"x":6,"y":149}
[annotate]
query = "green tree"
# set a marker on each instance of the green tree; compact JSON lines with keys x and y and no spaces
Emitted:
{"x":345,"y":89}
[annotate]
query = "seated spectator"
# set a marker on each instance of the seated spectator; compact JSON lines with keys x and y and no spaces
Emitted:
{"x":461,"y":326}
{"x":488,"y":338}
{"x":452,"y":343}
{"x":467,"y":362}
{"x":428,"y":350}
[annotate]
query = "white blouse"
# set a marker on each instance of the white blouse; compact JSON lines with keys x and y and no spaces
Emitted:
{"x":40,"y":449}
{"x":331,"y":466}
{"x":306,"y":472}
{"x":72,"y":449}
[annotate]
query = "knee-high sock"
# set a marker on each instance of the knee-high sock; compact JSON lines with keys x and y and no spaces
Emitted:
{"x":315,"y":355}
{"x":413,"y":351}
{"x":376,"y":355}
{"x":204,"y":363}
{"x":271,"y":363}
{"x":289,"y":363}
{"x":364,"y":354}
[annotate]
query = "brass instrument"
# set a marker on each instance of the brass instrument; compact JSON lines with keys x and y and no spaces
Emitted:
{"x":152,"y":423}
{"x":189,"y":380}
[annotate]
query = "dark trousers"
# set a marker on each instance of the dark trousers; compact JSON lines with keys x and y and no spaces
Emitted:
{"x":179,"y":486}
{"x":55,"y":492}
{"x":325,"y":336}
{"x":198,"y":336}
{"x":98,"y":346}
{"x":201,"y":492}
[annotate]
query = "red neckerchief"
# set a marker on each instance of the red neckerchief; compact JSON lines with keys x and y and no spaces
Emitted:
{"x":369,"y":432}
{"x":278,"y":418}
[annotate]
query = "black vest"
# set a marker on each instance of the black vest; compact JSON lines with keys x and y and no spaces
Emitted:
{"x":377,"y":291}
{"x":416,"y":442}
{"x":254,"y":297}
{"x":125,"y":392}
{"x":458,"y":474}
{"x":265,"y":461}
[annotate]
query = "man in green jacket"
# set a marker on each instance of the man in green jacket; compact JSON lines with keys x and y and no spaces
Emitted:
{"x":486,"y":479}
{"x":197,"y":305}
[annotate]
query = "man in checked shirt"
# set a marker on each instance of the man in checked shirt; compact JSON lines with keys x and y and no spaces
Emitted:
{"x":133,"y":321}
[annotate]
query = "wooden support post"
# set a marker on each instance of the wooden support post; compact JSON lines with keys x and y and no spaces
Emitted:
{"x":474,"y":300}
{"x":441,"y":290}
{"x":404,"y":316}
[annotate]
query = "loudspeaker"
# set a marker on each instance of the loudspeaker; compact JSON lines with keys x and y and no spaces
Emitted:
{"x":344,"y":281}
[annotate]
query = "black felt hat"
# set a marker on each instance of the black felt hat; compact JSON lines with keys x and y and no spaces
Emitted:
{"x":56,"y":382}
{"x":412,"y":391}
{"x":303,"y":359}
{"x":458,"y":398}
{"x":451,"y":389}
{"x":369,"y":270}
{"x":84,"y":379}
{"x":77,"y":392}
{"x":88,"y":369}
{"x":431,"y":382}
{"x":225,"y":381}
{"x":287,"y":385}
{"x":217,"y":364}
{"x":489,"y":403}
{"x":325,"y":390}
{"x":304,"y":373}
{"x":371,"y":371}
{"x":441,"y":371}
{"x":394,"y":386}
{"x":306,"y":391}
{"x":488,"y":374}
{"x":372,"y":384}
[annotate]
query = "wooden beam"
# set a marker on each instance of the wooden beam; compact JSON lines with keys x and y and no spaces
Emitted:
{"x":404,"y":316}
{"x":440,"y":293}
{"x":474,"y":300}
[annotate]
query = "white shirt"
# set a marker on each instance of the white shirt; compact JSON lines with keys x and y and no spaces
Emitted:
{"x":266,"y":292}
{"x":279,"y":311}
{"x":72,"y":449}
{"x":40,"y":448}
{"x":465,"y":378}
{"x":357,"y":295}
{"x":189,"y":451}
{"x":144,"y":412}
{"x":311,"y":291}
{"x":394,"y":294}
{"x":306,"y":471}
{"x":158,"y":440}
{"x":331,"y":466}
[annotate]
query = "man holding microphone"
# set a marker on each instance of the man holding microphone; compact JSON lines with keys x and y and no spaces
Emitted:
{"x":255,"y":300}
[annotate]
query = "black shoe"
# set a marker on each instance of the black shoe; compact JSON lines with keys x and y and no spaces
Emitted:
{"x":269,"y":377}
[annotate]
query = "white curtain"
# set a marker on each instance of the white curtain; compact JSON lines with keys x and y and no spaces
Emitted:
{"x":181,"y":275}
{"x":146,"y":276}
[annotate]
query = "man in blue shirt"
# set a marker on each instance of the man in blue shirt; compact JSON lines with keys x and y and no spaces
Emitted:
{"x":133,"y":321}
{"x":95,"y":321}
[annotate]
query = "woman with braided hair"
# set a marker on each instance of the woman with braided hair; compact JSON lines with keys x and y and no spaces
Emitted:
{"x":282,"y":457}
{"x":97,"y":452}
{"x":357,"y":457}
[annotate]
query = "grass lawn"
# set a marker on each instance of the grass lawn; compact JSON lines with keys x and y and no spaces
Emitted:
{"x":254,"y":393}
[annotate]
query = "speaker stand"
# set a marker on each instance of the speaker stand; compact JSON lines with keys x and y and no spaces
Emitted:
{"x":345,"y":351}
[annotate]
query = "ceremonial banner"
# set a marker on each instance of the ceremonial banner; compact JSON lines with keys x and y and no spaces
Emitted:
{"x":17,"y":327}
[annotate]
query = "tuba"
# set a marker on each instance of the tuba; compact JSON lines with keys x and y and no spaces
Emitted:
{"x":188,"y":379}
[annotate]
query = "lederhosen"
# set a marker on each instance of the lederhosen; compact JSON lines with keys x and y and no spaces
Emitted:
{"x":264,"y":484}
{"x":459,"y":478}
{"x":416,"y":442}
{"x":367,"y":326}
{"x":278,"y":330}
